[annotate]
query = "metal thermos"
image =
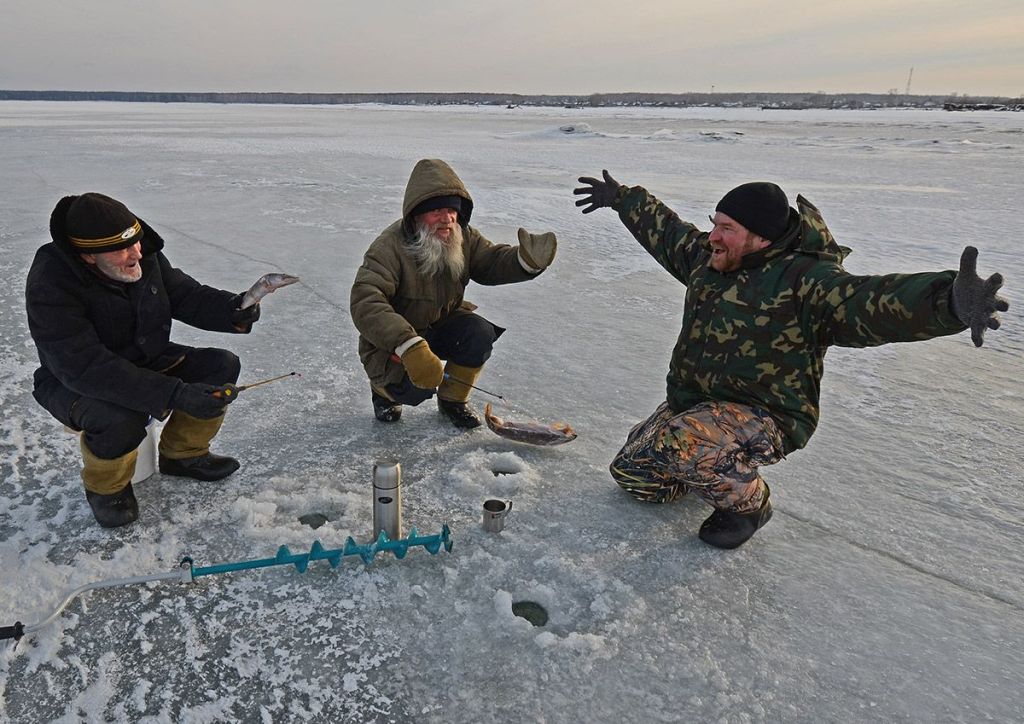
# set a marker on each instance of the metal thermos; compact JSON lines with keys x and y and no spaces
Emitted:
{"x":387,"y":499}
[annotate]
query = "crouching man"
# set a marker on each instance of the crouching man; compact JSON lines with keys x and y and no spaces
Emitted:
{"x":100,"y":299}
{"x":766,"y":296}
{"x":407,"y":299}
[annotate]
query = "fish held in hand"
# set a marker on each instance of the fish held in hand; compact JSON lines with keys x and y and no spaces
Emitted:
{"x":264,"y":286}
{"x":531,"y":433}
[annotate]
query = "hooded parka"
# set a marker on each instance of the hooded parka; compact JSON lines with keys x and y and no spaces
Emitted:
{"x":392,"y":301}
{"x":758,"y":335}
{"x":110,"y":340}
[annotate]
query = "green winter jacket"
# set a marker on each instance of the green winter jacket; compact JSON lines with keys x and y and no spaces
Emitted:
{"x":758,"y":335}
{"x":391,"y":301}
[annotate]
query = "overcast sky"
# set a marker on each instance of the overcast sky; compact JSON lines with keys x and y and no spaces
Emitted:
{"x":529,"y":46}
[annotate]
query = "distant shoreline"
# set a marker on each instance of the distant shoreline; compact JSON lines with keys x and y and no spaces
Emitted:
{"x":513,"y":100}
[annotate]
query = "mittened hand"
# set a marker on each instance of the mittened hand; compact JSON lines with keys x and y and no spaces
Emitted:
{"x":243,"y":318}
{"x":423,"y":366}
{"x":596,"y":193}
{"x":537,"y":250}
{"x":975,"y":302}
{"x":201,"y":400}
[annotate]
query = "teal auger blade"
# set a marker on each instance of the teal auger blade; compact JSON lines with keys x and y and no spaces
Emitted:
{"x":187,"y":572}
{"x":366,"y":551}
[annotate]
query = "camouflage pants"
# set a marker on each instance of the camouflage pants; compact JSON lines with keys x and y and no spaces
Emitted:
{"x":713,"y":449}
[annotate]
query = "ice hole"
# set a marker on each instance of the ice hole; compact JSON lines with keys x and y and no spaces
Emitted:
{"x":531,"y":611}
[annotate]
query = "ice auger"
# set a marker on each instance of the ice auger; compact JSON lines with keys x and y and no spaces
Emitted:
{"x":187,"y":571}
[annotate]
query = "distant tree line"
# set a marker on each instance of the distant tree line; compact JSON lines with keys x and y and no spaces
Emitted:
{"x":892,"y":99}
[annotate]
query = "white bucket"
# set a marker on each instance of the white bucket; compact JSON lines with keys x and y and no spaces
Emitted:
{"x":145,"y":464}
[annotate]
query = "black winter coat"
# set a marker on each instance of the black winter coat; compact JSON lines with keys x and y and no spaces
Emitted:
{"x":110,"y":340}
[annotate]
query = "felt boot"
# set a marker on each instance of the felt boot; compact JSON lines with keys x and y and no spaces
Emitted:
{"x":185,"y":448}
{"x":385,"y":409}
{"x":453,"y":395}
{"x":208,"y":467}
{"x":108,"y":487}
{"x":731,"y":530}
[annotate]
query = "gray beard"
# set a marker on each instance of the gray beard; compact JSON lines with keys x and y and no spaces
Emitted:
{"x":433,"y":255}
{"x":112,"y":272}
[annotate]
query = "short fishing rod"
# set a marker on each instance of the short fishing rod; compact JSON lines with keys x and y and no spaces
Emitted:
{"x":233,"y":389}
{"x":398,"y":360}
{"x":478,"y":389}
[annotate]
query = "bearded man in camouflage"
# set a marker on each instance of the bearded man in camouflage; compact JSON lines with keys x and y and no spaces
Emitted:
{"x":408,"y":301}
{"x":766,"y":296}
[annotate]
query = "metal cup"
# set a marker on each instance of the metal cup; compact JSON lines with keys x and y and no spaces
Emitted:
{"x":495,"y":512}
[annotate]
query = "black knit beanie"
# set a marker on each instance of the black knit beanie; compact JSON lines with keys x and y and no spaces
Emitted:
{"x":760,"y":206}
{"x":438,"y":202}
{"x":95,"y":223}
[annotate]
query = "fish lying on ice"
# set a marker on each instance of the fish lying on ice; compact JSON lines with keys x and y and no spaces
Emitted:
{"x":264,"y":286}
{"x":532,"y":433}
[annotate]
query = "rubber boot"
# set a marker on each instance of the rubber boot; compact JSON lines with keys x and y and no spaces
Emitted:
{"x":384,"y":408}
{"x":453,"y":395}
{"x":185,"y":448}
{"x":731,"y":530}
{"x":108,"y":487}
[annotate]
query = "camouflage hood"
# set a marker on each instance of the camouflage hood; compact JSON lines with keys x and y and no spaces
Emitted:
{"x":806,"y":234}
{"x":432,"y":177}
{"x":814,"y":237}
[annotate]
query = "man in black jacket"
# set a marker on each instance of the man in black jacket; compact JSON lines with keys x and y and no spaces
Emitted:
{"x":100,"y":299}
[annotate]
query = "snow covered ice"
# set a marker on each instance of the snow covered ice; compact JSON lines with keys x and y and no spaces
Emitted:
{"x":889,"y":586}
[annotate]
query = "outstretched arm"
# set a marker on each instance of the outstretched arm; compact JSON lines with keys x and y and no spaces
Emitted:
{"x":975,"y":302}
{"x":675,"y":244}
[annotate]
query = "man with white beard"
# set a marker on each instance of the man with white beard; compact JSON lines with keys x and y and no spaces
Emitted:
{"x":100,"y":299}
{"x":407,"y":299}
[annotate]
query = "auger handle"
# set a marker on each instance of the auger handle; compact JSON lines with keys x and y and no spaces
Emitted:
{"x":12,"y":632}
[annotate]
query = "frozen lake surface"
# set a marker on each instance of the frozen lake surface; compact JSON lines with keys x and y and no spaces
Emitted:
{"x":889,"y":586}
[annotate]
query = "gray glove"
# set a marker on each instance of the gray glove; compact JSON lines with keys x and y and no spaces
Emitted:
{"x":974,"y":301}
{"x":597,"y":194}
{"x":537,"y":250}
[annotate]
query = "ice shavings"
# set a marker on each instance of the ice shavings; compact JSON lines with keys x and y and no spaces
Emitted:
{"x":480,"y":471}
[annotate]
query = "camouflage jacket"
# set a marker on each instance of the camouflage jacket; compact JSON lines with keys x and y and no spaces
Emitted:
{"x":758,"y":335}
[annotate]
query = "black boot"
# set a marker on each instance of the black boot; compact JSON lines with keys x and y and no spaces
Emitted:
{"x":207,"y":467}
{"x":731,"y":530}
{"x":386,"y":410}
{"x":460,"y":413}
{"x":116,"y":509}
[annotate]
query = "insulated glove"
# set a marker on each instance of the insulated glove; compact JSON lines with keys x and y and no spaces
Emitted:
{"x":974,"y":300}
{"x":537,"y":250}
{"x":201,"y":400}
{"x":243,"y":317}
{"x":423,"y":366}
{"x":597,"y":194}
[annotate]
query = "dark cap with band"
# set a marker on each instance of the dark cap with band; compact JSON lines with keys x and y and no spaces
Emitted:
{"x":95,"y":224}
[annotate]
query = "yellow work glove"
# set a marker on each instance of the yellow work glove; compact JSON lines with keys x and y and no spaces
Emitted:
{"x":537,"y":250}
{"x":423,"y":366}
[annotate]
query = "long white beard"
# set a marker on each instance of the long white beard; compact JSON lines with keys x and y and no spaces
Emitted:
{"x":434,"y":254}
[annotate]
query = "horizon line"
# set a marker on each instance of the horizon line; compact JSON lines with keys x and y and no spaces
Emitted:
{"x":888,"y":93}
